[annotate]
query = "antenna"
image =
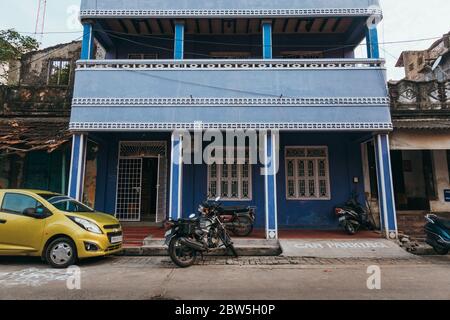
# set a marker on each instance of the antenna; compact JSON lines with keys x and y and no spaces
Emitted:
{"x":40,"y":19}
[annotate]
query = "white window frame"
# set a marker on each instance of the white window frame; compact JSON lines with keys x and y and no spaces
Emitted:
{"x":297,"y":179}
{"x":240,"y":179}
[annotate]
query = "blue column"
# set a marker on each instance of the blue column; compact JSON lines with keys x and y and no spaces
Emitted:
{"x":179,"y":40}
{"x":385,"y":187}
{"x":77,"y":166}
{"x":373,"y":50}
{"x":267,"y":39}
{"x":271,"y":153}
{"x":176,"y":176}
{"x":87,"y":46}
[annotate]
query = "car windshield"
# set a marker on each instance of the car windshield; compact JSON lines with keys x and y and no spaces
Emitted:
{"x":65,"y":203}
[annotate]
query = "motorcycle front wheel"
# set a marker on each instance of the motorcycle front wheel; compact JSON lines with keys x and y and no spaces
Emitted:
{"x":227,"y":242}
{"x":244,"y":227}
{"x":180,"y":254}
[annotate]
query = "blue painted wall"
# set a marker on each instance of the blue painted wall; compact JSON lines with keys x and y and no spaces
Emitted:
{"x":105,"y":198}
{"x":344,"y":164}
{"x":344,"y":161}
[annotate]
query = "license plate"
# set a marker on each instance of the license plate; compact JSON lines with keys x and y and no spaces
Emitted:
{"x":116,"y":239}
{"x":341,"y":219}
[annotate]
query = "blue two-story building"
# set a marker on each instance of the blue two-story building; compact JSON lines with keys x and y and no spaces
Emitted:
{"x":285,"y":69}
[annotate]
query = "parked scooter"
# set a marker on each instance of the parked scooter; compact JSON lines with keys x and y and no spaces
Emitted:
{"x":238,"y":220}
{"x":353,"y":216}
{"x":438,"y":233}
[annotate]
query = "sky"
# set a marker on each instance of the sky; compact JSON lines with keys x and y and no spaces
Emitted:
{"x":403,"y":20}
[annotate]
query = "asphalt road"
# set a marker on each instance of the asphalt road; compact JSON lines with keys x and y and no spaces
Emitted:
{"x":156,"y":278}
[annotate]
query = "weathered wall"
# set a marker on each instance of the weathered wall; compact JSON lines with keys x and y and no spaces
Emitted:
{"x":33,"y":69}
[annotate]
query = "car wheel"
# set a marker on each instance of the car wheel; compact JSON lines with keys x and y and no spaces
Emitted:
{"x":61,"y":253}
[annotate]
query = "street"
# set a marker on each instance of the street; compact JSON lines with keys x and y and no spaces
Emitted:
{"x":221,"y":278}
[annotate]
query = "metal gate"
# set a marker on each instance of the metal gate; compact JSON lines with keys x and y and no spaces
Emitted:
{"x":129,"y":178}
{"x":129,"y":181}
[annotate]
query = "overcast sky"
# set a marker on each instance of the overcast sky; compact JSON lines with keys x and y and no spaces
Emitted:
{"x":403,"y":20}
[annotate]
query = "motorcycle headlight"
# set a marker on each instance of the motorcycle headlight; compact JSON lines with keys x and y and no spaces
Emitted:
{"x":87,"y":225}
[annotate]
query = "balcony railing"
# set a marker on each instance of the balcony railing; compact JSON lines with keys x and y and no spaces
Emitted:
{"x":419,"y":96}
{"x":230,"y":82}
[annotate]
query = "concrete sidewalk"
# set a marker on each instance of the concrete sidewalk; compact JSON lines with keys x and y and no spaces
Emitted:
{"x":358,"y":248}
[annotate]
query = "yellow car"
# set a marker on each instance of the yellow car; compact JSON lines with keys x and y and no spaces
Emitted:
{"x":55,"y":227}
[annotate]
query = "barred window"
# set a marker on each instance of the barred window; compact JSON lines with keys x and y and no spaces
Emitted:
{"x":59,"y":73}
{"x":307,"y":173}
{"x":230,"y":181}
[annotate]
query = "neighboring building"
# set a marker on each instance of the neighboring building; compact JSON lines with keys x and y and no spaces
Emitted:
{"x":418,"y":65}
{"x":284,"y":66}
{"x":420,"y":142}
{"x":34,"y":116}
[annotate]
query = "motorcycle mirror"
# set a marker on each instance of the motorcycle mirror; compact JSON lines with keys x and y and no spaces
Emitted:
{"x":192,"y":216}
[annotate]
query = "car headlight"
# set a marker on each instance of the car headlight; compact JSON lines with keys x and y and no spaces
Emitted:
{"x":86,"y":225}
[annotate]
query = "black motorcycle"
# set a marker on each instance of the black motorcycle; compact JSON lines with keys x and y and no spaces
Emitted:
{"x":238,"y":220}
{"x":353,"y":216}
{"x":187,"y":238}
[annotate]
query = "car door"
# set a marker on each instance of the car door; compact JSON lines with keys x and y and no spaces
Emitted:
{"x":19,"y":233}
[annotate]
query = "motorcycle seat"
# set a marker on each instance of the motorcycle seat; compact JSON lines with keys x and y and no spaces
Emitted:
{"x":235,"y":209}
{"x":443,"y":222}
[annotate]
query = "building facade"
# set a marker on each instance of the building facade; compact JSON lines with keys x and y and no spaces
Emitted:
{"x":284,"y":70}
{"x":420,"y":151}
{"x":423,"y":65}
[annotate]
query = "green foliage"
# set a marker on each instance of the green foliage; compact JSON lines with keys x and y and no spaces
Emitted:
{"x":13,"y":45}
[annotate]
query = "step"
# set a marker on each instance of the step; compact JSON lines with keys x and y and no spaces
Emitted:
{"x":253,"y":247}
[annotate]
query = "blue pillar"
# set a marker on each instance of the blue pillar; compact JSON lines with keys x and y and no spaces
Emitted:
{"x":385,"y":186}
{"x":179,"y":40}
{"x":77,"y":166}
{"x":267,"y":39}
{"x":271,"y":153}
{"x":176,"y":176}
{"x":87,"y":46}
{"x":373,"y":50}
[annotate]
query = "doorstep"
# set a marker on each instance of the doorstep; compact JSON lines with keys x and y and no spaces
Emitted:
{"x":244,"y":247}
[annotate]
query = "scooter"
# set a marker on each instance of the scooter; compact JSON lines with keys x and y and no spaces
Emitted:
{"x":438,"y":233}
{"x":353,"y":216}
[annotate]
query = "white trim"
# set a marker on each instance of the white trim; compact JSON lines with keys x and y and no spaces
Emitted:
{"x":180,"y":178}
{"x":392,"y":186}
{"x":266,"y":185}
{"x":238,"y":13}
{"x":316,"y":174}
{"x":245,"y":102}
{"x":382,"y":185}
{"x":275,"y":166}
{"x":90,"y":47}
{"x":230,"y":64}
{"x":69,"y":189}
{"x":294,"y":126}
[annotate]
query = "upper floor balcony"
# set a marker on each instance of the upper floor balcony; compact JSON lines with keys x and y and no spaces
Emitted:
{"x":230,"y":63}
{"x":229,"y":28}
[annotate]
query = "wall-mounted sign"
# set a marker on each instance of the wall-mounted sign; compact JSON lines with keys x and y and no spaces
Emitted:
{"x":447,"y":195}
